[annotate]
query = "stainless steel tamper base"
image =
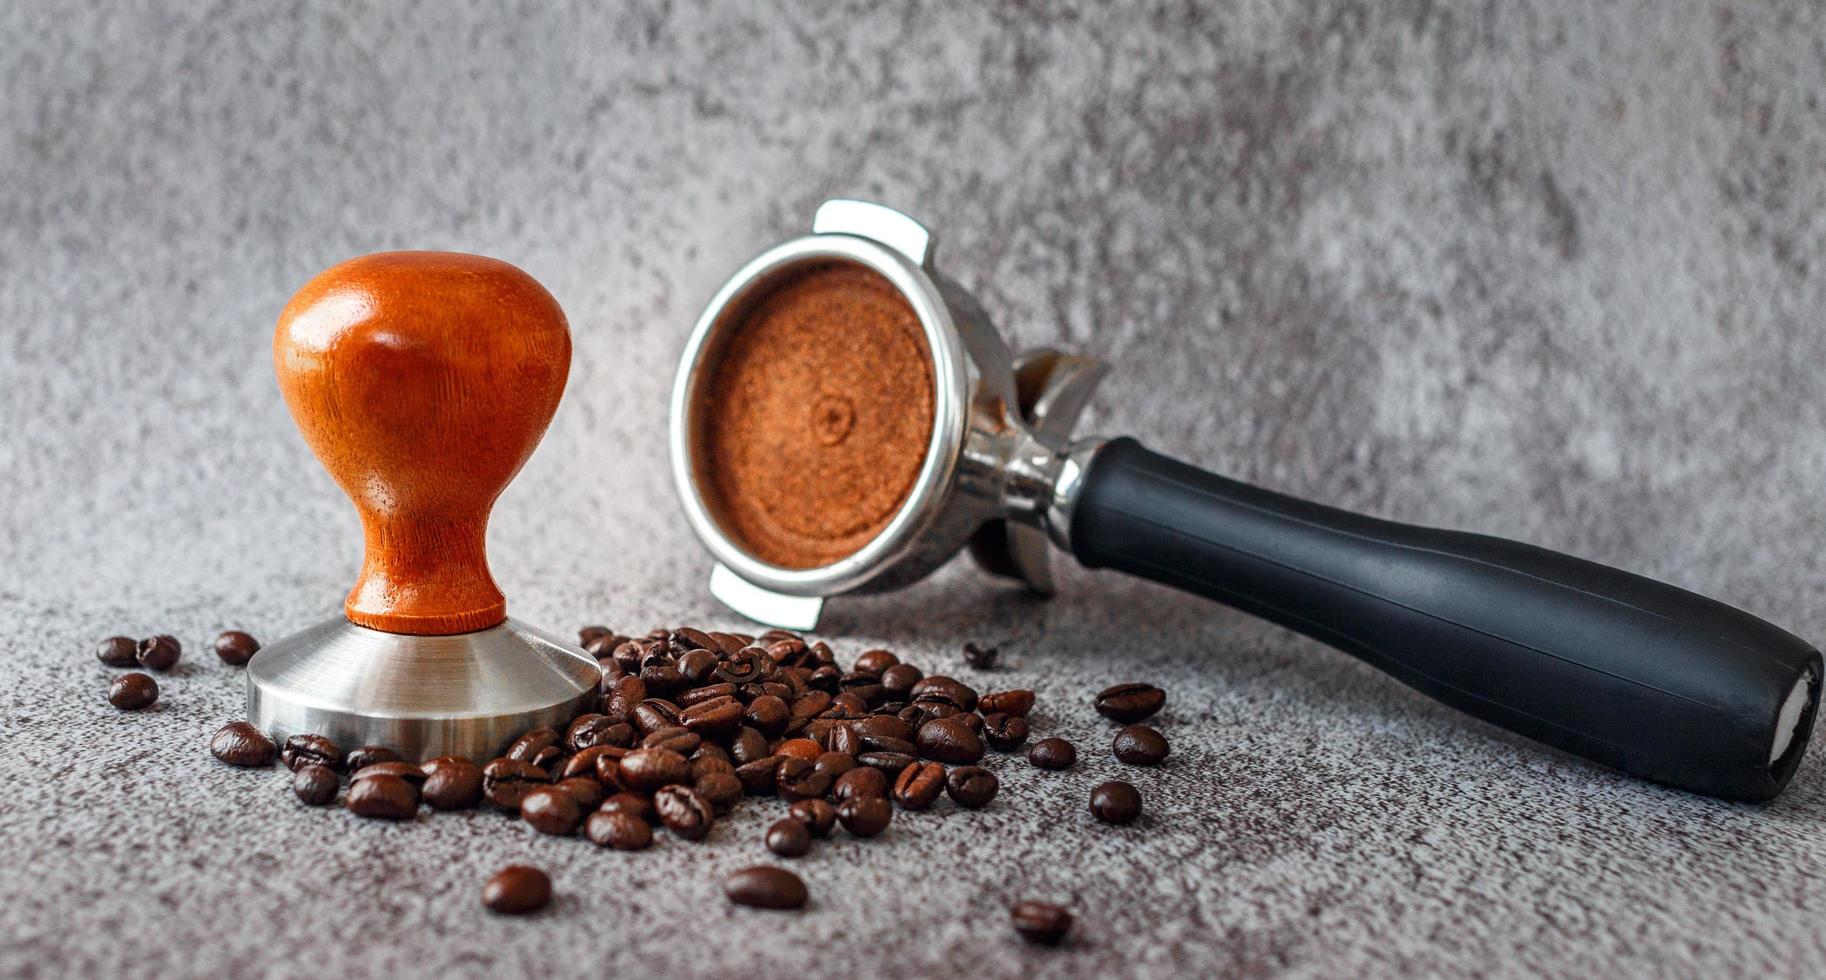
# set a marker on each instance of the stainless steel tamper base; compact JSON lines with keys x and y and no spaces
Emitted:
{"x":421,"y":696}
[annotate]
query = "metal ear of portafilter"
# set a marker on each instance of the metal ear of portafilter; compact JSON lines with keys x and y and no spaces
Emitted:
{"x":1611,"y":666}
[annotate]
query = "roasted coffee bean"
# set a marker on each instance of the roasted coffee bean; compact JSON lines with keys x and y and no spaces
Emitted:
{"x":1139,"y":745}
{"x":367,"y":755}
{"x":654,"y":714}
{"x":805,"y":707}
{"x":971,"y":786}
{"x":314,"y":785}
{"x":874,"y":662}
{"x":886,"y":726}
{"x":757,"y":775}
{"x":620,"y":830}
{"x":919,"y":785}
{"x":862,"y":781}
{"x":620,"y":701}
{"x":684,"y":812}
{"x":633,"y":804}
{"x":817,"y":816}
{"x":1005,"y":733}
{"x":764,"y":887}
{"x":590,"y":634}
{"x":236,"y":648}
{"x":1053,"y":753}
{"x":602,"y":646}
{"x":383,"y":797}
{"x":663,"y":680}
{"x":949,"y":689}
{"x":796,"y":779}
{"x":1015,"y":704}
{"x":678,"y":739}
{"x":744,"y":666}
{"x":517,"y":890}
{"x":600,"y":730}
{"x":865,"y":816}
{"x":767,"y":714}
{"x":696,"y":666}
{"x":647,"y":770}
{"x":451,"y":783}
{"x":584,"y":789}
{"x":1129,"y":703}
{"x":789,"y":838}
{"x":890,"y":763}
{"x":950,"y":740}
{"x":980,"y":657}
{"x":551,"y":810}
{"x":1038,"y":922}
{"x":747,"y":746}
{"x":800,"y":748}
{"x":899,"y":679}
{"x":158,"y":652}
{"x":703,"y":764}
{"x":707,"y":692}
{"x":721,"y":789}
{"x":1116,"y":802}
{"x":118,"y":651}
{"x":584,"y":763}
{"x":883,"y":743}
{"x":241,"y":744}
{"x":311,"y":750}
{"x":836,"y":763}
{"x":403,"y":770}
{"x":579,"y":722}
{"x":847,"y":704}
{"x":527,"y":746}
{"x":785,"y":651}
{"x":131,"y":692}
{"x":689,"y":638}
{"x":864,"y":685}
{"x":550,"y":759}
{"x":824,"y":679}
{"x":845,"y":739}
{"x":505,"y":782}
{"x":714,"y":719}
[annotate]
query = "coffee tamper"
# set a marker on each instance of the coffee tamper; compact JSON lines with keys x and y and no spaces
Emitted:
{"x":1611,"y":666}
{"x":422,"y":381}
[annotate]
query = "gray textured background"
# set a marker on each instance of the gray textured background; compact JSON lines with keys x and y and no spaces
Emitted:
{"x":1548,"y":270}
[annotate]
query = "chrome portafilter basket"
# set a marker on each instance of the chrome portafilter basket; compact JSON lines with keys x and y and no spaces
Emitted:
{"x":1611,"y":666}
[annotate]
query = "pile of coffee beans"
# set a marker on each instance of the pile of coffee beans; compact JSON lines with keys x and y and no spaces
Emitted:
{"x":136,"y":691}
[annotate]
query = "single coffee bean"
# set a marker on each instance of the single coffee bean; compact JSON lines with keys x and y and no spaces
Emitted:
{"x":654,"y":714}
{"x":695,"y":696}
{"x":404,"y":770}
{"x":451,"y":783}
{"x":617,"y":829}
{"x":862,"y":781}
{"x":517,"y":890}
{"x":749,"y":664}
{"x":1116,"y":802}
{"x":1015,"y":704}
{"x":824,"y":678}
{"x":797,"y":779}
{"x":1005,"y":733}
{"x":646,"y":770}
{"x":1139,"y":745}
{"x":800,"y":748}
{"x":505,"y":782}
{"x":118,"y":651}
{"x":708,"y":759}
{"x":947,"y":689}
{"x":1053,"y":753}
{"x":757,"y":776}
{"x":764,"y":887}
{"x":550,"y":810}
{"x":807,"y":706}
{"x":696,"y":666}
{"x":363,"y":756}
{"x":875,"y":661}
{"x":1039,"y":922}
{"x":241,"y":744}
{"x":767,"y":714}
{"x":747,"y":746}
{"x":383,"y":797}
{"x":131,"y":692}
{"x":789,"y":838}
{"x":971,"y":786}
{"x":980,"y":657}
{"x":884,"y":726}
{"x":844,"y":738}
{"x":590,"y":634}
{"x":890,"y":763}
{"x":314,"y":785}
{"x":950,"y":740}
{"x":311,"y":750}
{"x":1129,"y":703}
{"x":865,"y":816}
{"x":721,"y":789}
{"x":236,"y":648}
{"x":632,"y":804}
{"x":883,"y":743}
{"x":584,"y":789}
{"x":158,"y":652}
{"x":684,"y":812}
{"x":836,"y":763}
{"x":919,"y":785}
{"x":899,"y":679}
{"x":817,"y":816}
{"x":529,"y":745}
{"x":714,"y":719}
{"x":677,"y":738}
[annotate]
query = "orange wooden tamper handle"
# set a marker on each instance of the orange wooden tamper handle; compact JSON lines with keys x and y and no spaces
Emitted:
{"x":422,"y":381}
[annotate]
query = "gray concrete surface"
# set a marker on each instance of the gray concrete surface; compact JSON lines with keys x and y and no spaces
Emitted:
{"x":1542,"y":269}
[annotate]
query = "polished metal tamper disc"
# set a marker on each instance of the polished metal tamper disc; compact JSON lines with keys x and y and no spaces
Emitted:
{"x":423,"y":381}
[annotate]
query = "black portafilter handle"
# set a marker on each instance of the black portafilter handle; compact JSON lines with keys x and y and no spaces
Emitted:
{"x":1625,"y":671}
